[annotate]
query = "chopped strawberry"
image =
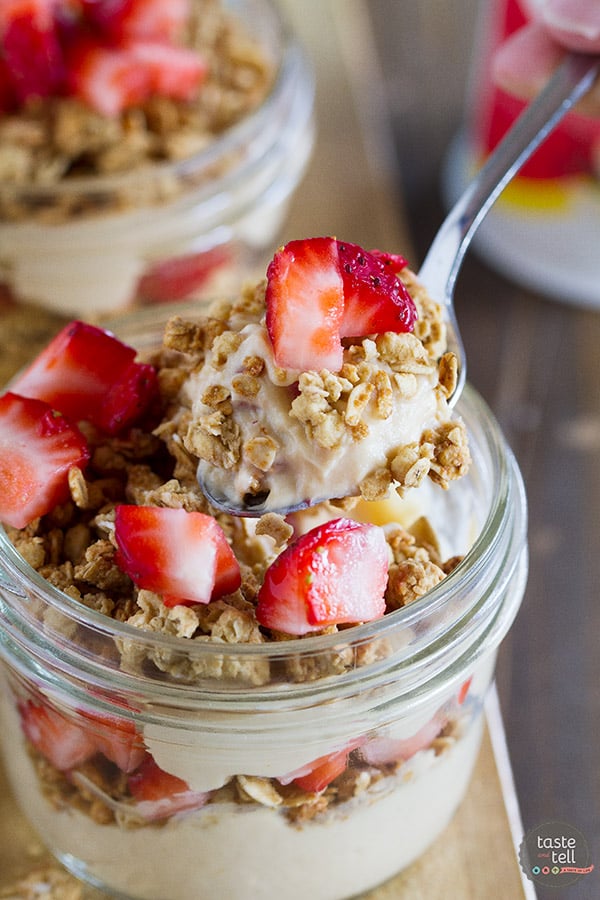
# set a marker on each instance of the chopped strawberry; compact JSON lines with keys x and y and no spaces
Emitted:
{"x":154,"y":20}
{"x":160,"y":794}
{"x":184,"y":556}
{"x":320,"y":290}
{"x":8,"y":97}
{"x":335,"y":573}
{"x":108,"y":79}
{"x":128,"y":399}
{"x":305,"y":304}
{"x":464,"y":690}
{"x":174,"y":72}
{"x":374,"y":299}
{"x":30,"y":48}
{"x":38,"y":446}
{"x":117,"y":739}
{"x":87,"y":373}
{"x":61,"y":741}
{"x":393,"y":262}
{"x":381,"y":750}
{"x":322,"y":772}
{"x":177,"y":278}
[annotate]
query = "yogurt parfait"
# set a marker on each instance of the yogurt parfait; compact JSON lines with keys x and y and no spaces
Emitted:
{"x":199,"y":704}
{"x":150,"y":153}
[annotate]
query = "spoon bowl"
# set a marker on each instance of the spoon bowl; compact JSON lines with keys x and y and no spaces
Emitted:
{"x":441,"y":266}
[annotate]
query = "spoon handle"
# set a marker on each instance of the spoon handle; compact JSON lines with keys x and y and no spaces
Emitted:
{"x":569,"y":83}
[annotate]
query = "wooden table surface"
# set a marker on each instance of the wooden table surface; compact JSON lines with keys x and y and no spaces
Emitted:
{"x":533,"y":360}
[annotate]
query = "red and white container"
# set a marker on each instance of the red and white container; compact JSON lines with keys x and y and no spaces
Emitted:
{"x":544,"y":230}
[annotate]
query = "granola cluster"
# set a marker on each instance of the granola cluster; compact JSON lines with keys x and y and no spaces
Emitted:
{"x":53,"y":142}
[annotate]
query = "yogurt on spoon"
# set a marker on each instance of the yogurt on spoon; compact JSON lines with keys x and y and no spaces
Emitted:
{"x":330,"y":380}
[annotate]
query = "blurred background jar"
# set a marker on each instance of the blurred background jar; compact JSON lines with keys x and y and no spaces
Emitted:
{"x":87,"y":243}
{"x":543,"y":230}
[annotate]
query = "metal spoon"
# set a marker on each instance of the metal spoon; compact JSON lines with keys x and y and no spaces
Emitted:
{"x":441,"y":266}
{"x":443,"y":261}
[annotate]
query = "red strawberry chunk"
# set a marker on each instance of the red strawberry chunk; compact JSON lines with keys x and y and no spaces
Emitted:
{"x":108,"y":79}
{"x":321,"y":290}
{"x":305,"y":304}
{"x":128,"y":399}
{"x":180,"y":276}
{"x":8,"y":97}
{"x":171,"y":71}
{"x":159,"y":794}
{"x":394,"y":262}
{"x":382,"y":750}
{"x":61,"y":741}
{"x":322,"y":772}
{"x":87,"y":373}
{"x":117,"y":739}
{"x":184,"y":556}
{"x":464,"y":690}
{"x":30,"y":48}
{"x":146,"y":19}
{"x":335,"y":573}
{"x":374,"y":299}
{"x":38,"y":446}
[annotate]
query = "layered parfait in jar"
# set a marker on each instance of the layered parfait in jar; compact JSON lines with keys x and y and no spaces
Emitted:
{"x":148,"y":150}
{"x":278,"y":703}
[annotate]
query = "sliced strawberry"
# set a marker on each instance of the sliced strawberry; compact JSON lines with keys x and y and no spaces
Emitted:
{"x":322,"y":772}
{"x":374,"y":299}
{"x":177,"y":278}
{"x":321,"y":290}
{"x":393,"y":262}
{"x":8,"y":97}
{"x":335,"y":573}
{"x":380,"y":751}
{"x":62,"y":742}
{"x":184,"y":556}
{"x":174,"y":72}
{"x":107,"y":79}
{"x":117,"y":739}
{"x":305,"y":304}
{"x":159,"y":794}
{"x":145,"y":19}
{"x":87,"y":373}
{"x":30,"y":48}
{"x":38,"y":446}
{"x":464,"y":690}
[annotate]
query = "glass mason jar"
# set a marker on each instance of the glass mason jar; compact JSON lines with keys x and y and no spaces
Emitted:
{"x":167,"y":231}
{"x":394,"y":706}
